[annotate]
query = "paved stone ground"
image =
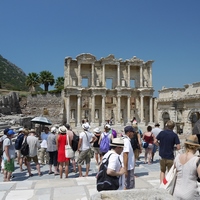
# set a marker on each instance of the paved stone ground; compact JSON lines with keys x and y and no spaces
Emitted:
{"x":50,"y":187}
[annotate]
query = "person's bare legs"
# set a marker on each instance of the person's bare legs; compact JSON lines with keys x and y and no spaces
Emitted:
{"x":66,"y":169}
{"x":145,"y":155}
{"x":5,"y":175}
{"x":149,"y":155}
{"x":20,"y":164}
{"x":74,"y":165}
{"x":97,"y":158}
{"x":87,"y":169}
{"x":61,"y":169}
{"x":50,"y":168}
{"x":80,"y":171}
{"x":38,"y":168}
{"x":162,"y":176}
{"x":28,"y":167}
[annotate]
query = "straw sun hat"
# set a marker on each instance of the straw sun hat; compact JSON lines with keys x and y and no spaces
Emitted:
{"x":117,"y":142}
{"x":192,"y":140}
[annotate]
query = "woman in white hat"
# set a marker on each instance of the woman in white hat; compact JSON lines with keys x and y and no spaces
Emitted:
{"x":97,"y":153}
{"x":188,"y":170}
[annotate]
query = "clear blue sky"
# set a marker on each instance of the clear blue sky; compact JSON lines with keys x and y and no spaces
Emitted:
{"x":37,"y":35}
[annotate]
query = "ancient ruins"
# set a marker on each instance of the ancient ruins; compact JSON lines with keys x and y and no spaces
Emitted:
{"x":107,"y":90}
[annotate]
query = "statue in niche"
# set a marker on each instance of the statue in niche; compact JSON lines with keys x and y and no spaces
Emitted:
{"x":96,"y":114}
{"x":97,"y":82}
{"x":145,"y":83}
{"x":123,"y":83}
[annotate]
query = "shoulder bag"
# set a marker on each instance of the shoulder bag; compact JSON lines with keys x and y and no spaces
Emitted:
{"x":69,"y":153}
{"x":169,"y":181}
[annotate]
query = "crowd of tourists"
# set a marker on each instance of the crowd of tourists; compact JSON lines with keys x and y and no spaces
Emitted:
{"x":114,"y":154}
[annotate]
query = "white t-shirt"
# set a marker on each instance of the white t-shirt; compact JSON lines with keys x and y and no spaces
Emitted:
{"x":114,"y":162}
{"x":128,"y":148}
{"x":156,"y":131}
{"x":11,"y":148}
{"x":85,"y":140}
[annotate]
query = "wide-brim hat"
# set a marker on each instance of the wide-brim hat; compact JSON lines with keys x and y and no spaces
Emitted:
{"x":117,"y":142}
{"x":85,"y":126}
{"x":97,"y":130}
{"x":62,"y":129}
{"x":192,"y":140}
{"x":107,"y":126}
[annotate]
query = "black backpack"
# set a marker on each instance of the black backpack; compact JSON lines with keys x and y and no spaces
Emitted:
{"x":18,"y":142}
{"x":104,"y":181}
{"x":75,"y":141}
{"x":25,"y":148}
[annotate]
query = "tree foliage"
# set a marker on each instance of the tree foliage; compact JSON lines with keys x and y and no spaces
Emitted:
{"x":59,"y":83}
{"x":32,"y":80}
{"x":46,"y":78}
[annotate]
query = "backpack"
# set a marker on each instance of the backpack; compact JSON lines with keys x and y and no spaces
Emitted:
{"x":134,"y":142}
{"x":114,"y":133}
{"x":25,"y":148}
{"x":18,"y":142}
{"x":75,"y":141}
{"x":104,"y":181}
{"x":105,"y":144}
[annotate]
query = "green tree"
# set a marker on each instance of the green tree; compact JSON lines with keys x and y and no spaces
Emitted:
{"x":46,"y":78}
{"x":59,"y":83}
{"x":32,"y":80}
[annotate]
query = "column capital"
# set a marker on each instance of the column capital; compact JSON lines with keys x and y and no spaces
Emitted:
{"x":78,"y":95}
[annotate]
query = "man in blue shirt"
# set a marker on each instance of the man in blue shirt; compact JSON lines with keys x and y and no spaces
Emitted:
{"x":166,"y":140}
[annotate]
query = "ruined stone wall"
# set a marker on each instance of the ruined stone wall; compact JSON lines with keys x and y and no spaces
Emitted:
{"x":49,"y":105}
{"x":9,"y":104}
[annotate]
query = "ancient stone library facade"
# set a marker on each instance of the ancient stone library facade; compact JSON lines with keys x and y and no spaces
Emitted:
{"x":181,"y":105}
{"x":107,"y":90}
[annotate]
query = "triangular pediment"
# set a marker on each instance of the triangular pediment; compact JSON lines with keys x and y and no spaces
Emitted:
{"x":86,"y":57}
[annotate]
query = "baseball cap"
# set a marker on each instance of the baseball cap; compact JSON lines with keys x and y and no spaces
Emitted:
{"x":11,"y":132}
{"x":129,"y":129}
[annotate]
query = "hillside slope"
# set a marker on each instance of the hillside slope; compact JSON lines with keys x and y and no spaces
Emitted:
{"x":11,"y":76}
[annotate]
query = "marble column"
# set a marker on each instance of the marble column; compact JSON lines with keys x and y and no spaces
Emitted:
{"x":150,"y":76}
{"x":128,"y":108}
{"x":128,"y":76}
{"x":103,"y":110}
{"x":79,"y":74}
{"x":92,"y":74}
{"x":119,"y":109}
{"x":141,"y":108}
{"x":68,"y":72}
{"x":93,"y":109}
{"x":141,"y":76}
{"x":78,"y":110}
{"x":118,"y":75}
{"x":103,"y":76}
{"x":150,"y":109}
{"x":67,"y":100}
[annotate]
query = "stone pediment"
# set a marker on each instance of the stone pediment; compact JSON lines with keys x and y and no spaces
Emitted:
{"x":86,"y":58}
{"x":110,"y":59}
{"x":135,"y":60}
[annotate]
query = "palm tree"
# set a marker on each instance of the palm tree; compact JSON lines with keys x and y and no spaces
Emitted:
{"x":32,"y":80}
{"x":47,"y":79}
{"x":59,"y":83}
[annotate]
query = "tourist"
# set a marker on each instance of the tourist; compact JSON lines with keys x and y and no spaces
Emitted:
{"x":104,"y":140}
{"x":1,"y":148}
{"x":20,"y":139}
{"x":52,"y":150}
{"x":70,"y":135}
{"x":128,"y":158}
{"x":149,"y":138}
{"x":33,"y":144}
{"x":155,"y":132}
{"x":166,"y":140}
{"x":84,"y":148}
{"x":114,"y":168}
{"x":97,"y":153}
{"x":43,"y":151}
{"x":136,"y":142}
{"x":8,"y":155}
{"x":188,"y":169}
{"x":61,"y":142}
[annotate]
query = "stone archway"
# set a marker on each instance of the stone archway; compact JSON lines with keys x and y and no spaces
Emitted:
{"x":193,"y":117}
{"x":165,"y":118}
